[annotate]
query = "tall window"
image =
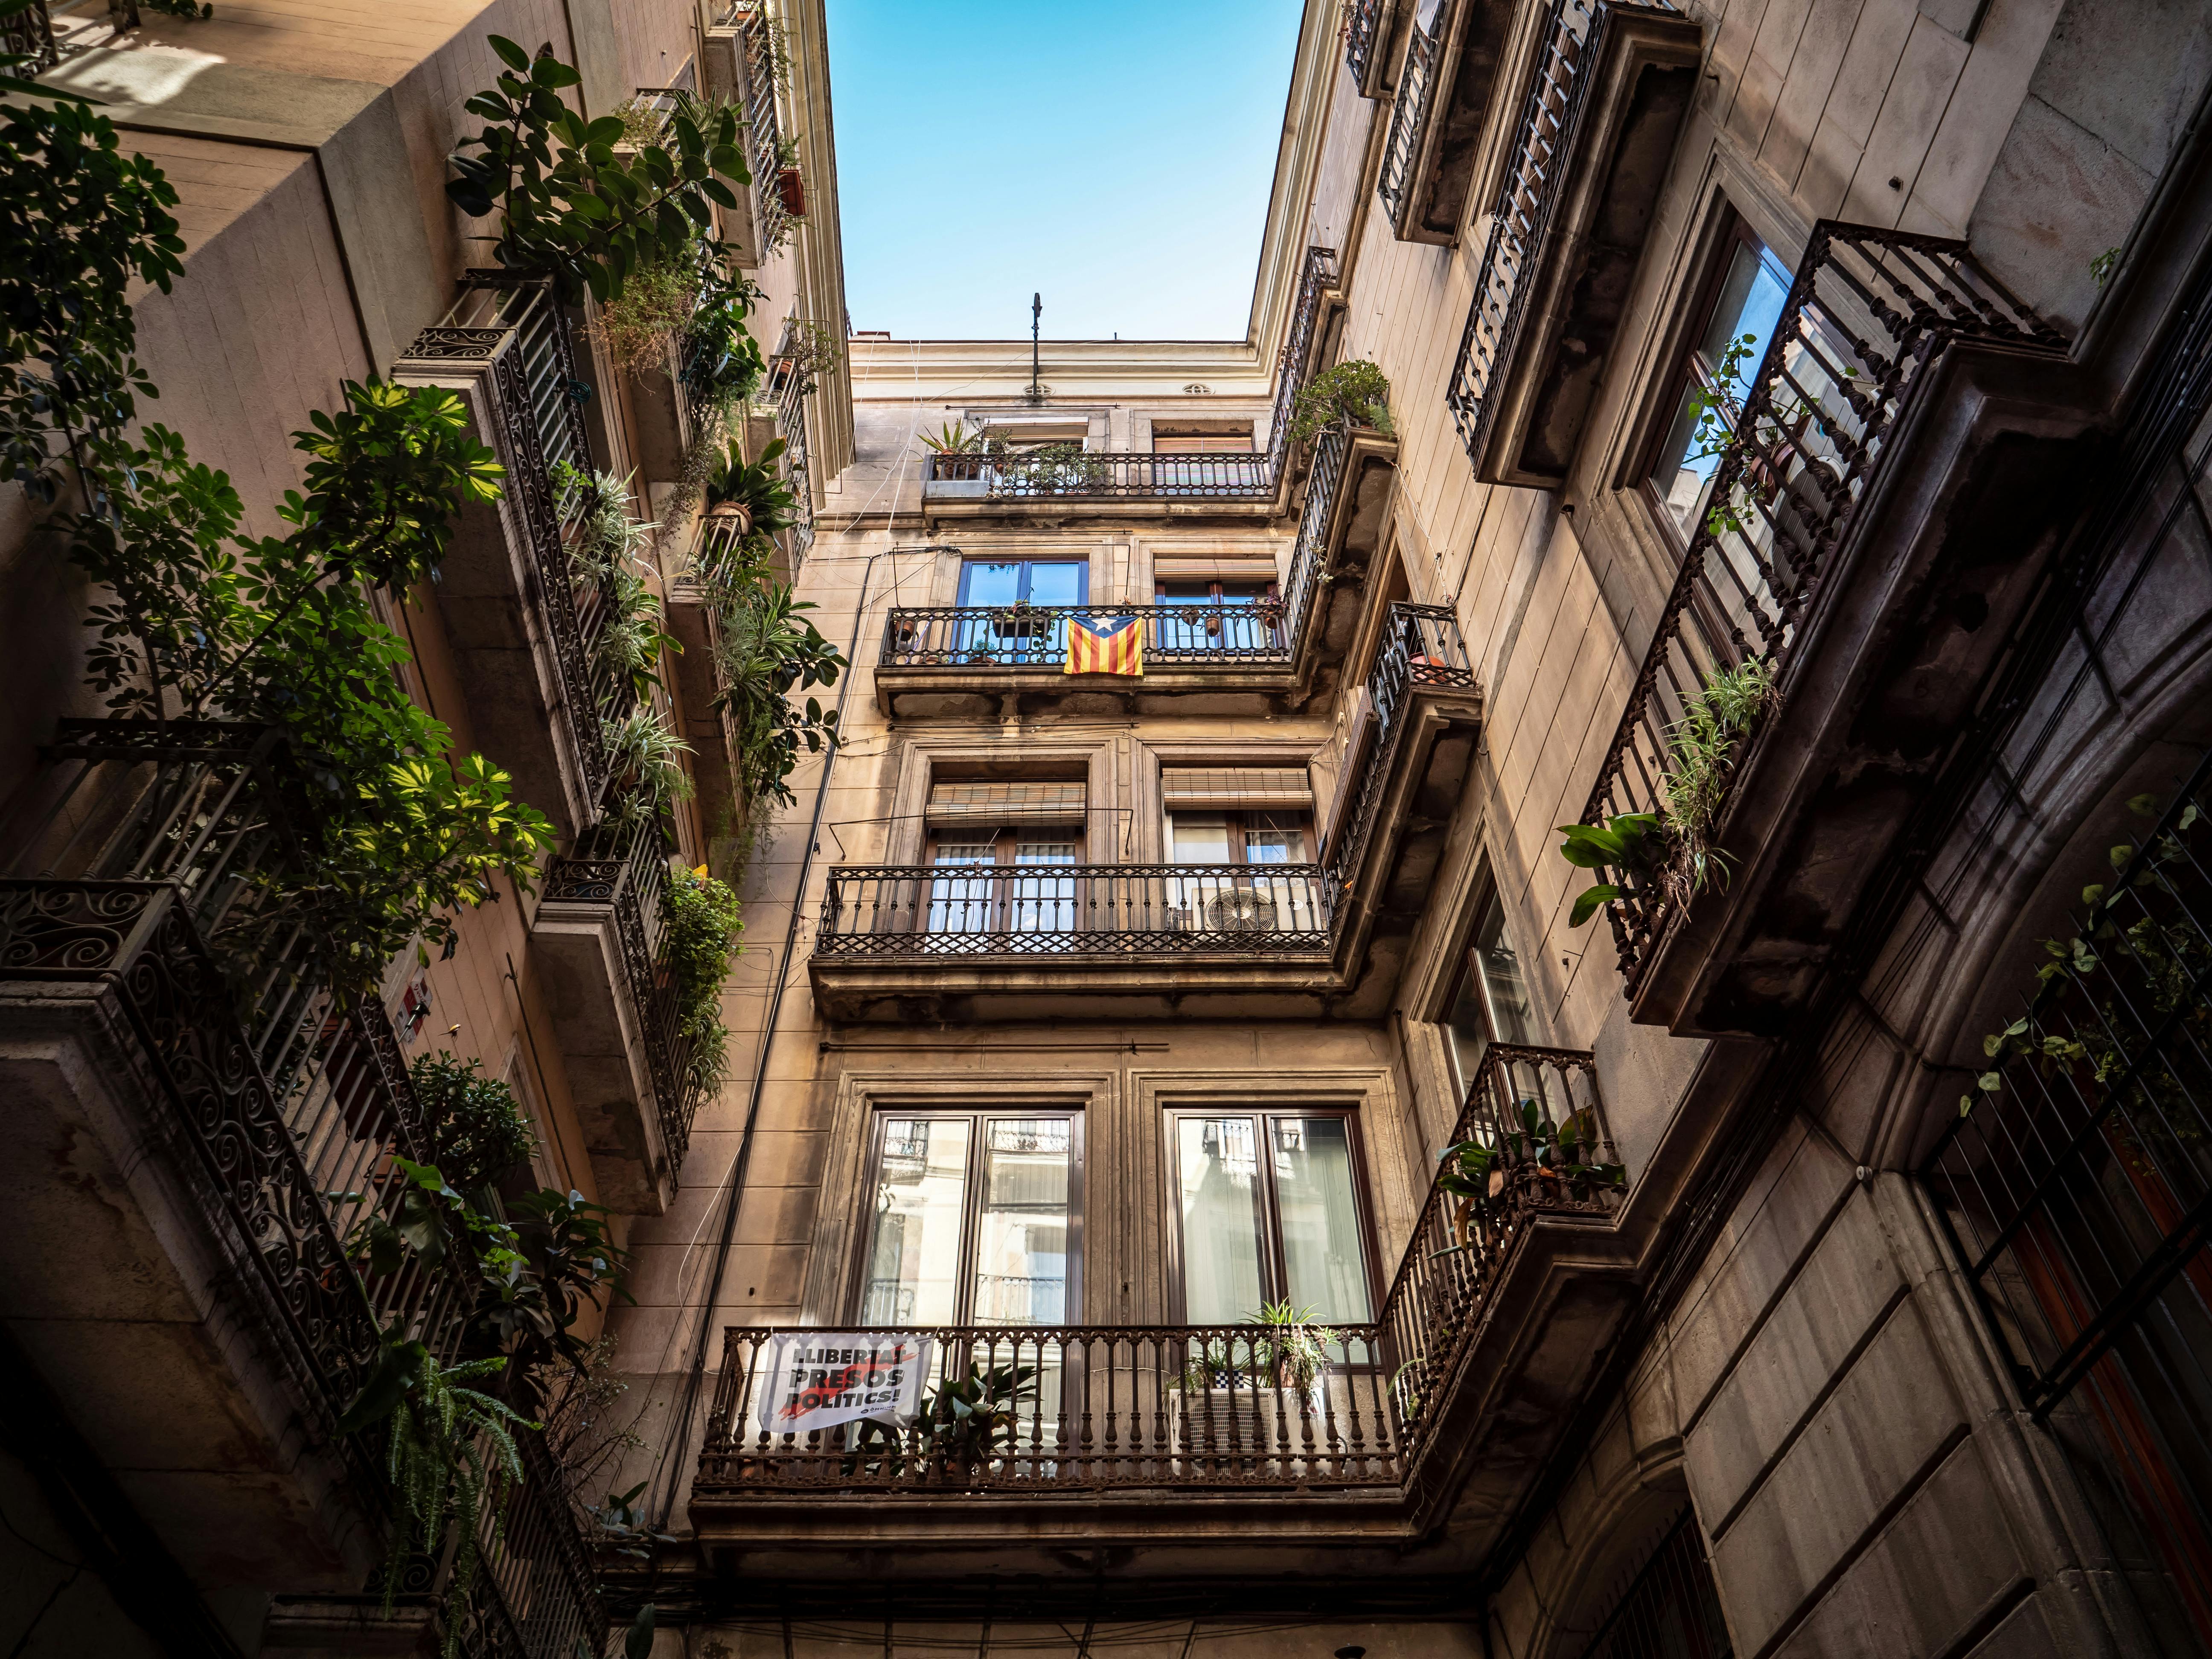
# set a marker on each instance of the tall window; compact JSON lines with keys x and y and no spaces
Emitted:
{"x":1268,"y":1210}
{"x":1741,"y":303}
{"x":1490,"y":1002}
{"x":976,"y":1215}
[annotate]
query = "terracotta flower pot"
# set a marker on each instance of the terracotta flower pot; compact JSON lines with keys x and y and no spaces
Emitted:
{"x":793,"y":189}
{"x":735,"y":516}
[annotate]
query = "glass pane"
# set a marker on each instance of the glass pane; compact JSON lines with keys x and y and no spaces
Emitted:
{"x":1199,"y":837}
{"x":1275,"y":838}
{"x":1021,"y":1252}
{"x":1750,"y":303}
{"x":1217,"y":1180}
{"x":1043,"y":904}
{"x":1504,"y":992}
{"x":1324,"y":1258}
{"x":1058,"y":584}
{"x":961,"y":904}
{"x":989,"y":584}
{"x":1199,"y":630}
{"x":1468,"y":1024}
{"x":914,"y":1258}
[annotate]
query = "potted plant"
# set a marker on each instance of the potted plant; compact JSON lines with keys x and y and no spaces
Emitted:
{"x":1259,"y":1395}
{"x":790,"y":187}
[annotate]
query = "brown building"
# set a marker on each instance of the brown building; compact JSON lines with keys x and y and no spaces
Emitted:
{"x":1772,"y":438}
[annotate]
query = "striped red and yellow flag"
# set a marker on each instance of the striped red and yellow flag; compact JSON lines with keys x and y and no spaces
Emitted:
{"x":1111,"y":649}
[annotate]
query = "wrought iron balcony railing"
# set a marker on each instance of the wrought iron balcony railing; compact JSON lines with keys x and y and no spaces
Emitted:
{"x":1035,"y":635}
{"x":30,"y":34}
{"x":936,"y":911}
{"x":1292,"y":362}
{"x":1362,"y":30}
{"x":763,"y":132}
{"x":1868,"y":315}
{"x":1057,"y":472}
{"x":515,"y":325}
{"x":1209,"y":1407}
{"x":1409,"y":112}
{"x":1076,"y":909}
{"x":789,"y":387}
{"x":141,"y":863}
{"x":623,"y":865}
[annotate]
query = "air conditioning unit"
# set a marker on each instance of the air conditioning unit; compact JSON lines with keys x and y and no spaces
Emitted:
{"x":1241,"y":910}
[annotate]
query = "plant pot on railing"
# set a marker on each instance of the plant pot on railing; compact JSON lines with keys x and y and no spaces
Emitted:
{"x":790,"y":191}
{"x":732,"y":519}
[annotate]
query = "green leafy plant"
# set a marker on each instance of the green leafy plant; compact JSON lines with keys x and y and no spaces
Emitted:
{"x":1342,"y":397}
{"x":450,"y":1452}
{"x":1702,"y":748}
{"x":648,"y":756}
{"x":953,"y":438}
{"x":765,"y":650}
{"x":1295,"y":1348}
{"x":622,"y":1526}
{"x":1636,"y":844}
{"x":810,"y":349}
{"x":2102,"y":267}
{"x":701,"y":924}
{"x":397,"y":834}
{"x":762,"y":491}
{"x":83,"y":221}
{"x":566,"y":202}
{"x":1533,"y":1161}
{"x":605,"y":536}
{"x":476,"y":1129}
{"x":655,"y":307}
{"x":971,"y":1419}
{"x":1063,"y":467}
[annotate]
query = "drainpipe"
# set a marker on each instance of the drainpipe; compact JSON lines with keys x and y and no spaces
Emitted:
{"x":680,"y":1421}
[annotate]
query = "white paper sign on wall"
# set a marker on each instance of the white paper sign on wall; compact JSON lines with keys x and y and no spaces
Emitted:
{"x":819,"y":1379}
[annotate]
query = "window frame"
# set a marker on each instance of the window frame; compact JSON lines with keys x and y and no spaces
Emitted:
{"x":968,"y":562}
{"x":1005,"y":850}
{"x":883,"y":1113}
{"x":1236,"y":823}
{"x":1469,"y":971}
{"x":1683,"y":358}
{"x":1274,"y":1283}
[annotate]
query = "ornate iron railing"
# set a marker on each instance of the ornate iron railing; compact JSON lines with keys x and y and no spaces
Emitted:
{"x":938,"y":911}
{"x":30,"y":34}
{"x":1205,"y":1406}
{"x":623,"y":865}
{"x":1422,"y":646}
{"x":929,"y":912}
{"x":1315,"y":279}
{"x":515,"y":325}
{"x":789,"y":387}
{"x":1543,"y":148}
{"x":1868,"y":315}
{"x":142,"y":860}
{"x":1409,"y":113}
{"x":1035,"y":635}
{"x":1363,"y":29}
{"x":2077,"y":1183}
{"x":1060,"y":471}
{"x":763,"y":132}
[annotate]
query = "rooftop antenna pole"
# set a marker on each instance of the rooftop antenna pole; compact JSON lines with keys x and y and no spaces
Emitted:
{"x":1036,"y":314}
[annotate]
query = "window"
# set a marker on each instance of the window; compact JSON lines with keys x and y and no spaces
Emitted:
{"x":1740,"y":304}
{"x":1218,"y":617}
{"x":975,"y":1220}
{"x":1246,"y":837}
{"x":1286,"y":1226}
{"x":1490,"y":1003}
{"x":1019,"y":894}
{"x":1023,"y":581}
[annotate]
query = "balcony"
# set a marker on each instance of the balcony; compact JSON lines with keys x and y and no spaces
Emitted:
{"x":1611,"y":83}
{"x":1264,"y":660}
{"x":1188,"y":1452}
{"x":523,"y":621}
{"x":915,"y":942}
{"x":188,"y":1288}
{"x":1452,"y":70}
{"x":1908,"y":435}
{"x":1367,"y":39}
{"x":1053,"y":480}
{"x":597,"y":935}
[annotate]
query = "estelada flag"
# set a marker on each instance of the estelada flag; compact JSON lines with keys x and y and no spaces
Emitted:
{"x":1113,"y":648}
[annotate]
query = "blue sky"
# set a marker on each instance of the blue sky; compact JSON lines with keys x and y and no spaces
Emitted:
{"x":1115,"y":157}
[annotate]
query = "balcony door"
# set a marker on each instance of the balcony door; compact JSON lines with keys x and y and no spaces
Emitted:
{"x":1268,"y":1210}
{"x":1004,"y":587}
{"x":1240,"y":893}
{"x":1490,"y":1002}
{"x":1005,"y":882}
{"x":975,"y":1219}
{"x":1218,"y":619}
